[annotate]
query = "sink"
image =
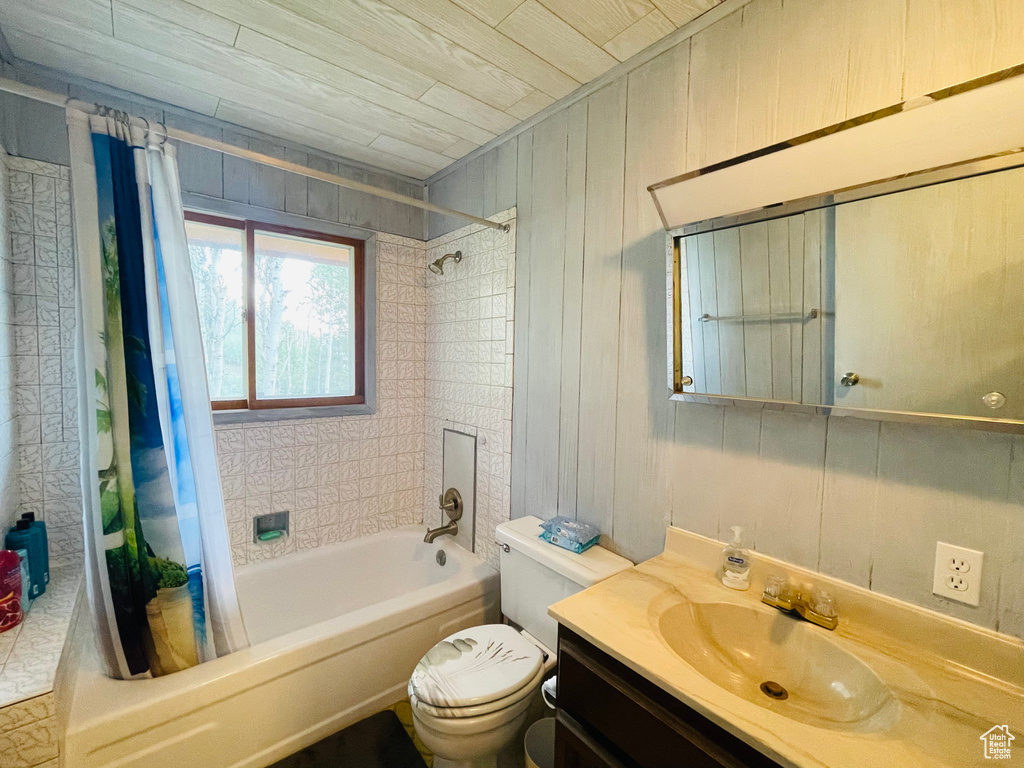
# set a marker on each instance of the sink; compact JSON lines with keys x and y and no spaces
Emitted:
{"x":779,"y":662}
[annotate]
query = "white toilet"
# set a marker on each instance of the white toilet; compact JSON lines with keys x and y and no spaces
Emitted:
{"x":474,"y":693}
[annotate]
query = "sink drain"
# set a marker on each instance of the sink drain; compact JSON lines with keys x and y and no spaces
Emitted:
{"x":773,"y":690}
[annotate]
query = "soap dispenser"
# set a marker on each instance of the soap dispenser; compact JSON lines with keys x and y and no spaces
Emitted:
{"x":735,"y":562}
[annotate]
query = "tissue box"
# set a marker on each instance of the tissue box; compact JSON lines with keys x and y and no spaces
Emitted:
{"x":573,"y":546}
{"x":571,"y":530}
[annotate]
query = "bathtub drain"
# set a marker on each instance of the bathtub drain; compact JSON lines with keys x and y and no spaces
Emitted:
{"x":441,"y":557}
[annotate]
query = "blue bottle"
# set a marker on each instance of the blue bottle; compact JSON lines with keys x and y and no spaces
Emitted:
{"x":22,"y":536}
{"x":39,"y":525}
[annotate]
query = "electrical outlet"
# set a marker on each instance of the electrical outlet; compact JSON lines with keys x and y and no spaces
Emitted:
{"x":957,"y":573}
{"x":957,"y":583}
{"x":958,"y":564}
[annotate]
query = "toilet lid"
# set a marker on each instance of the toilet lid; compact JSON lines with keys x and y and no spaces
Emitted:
{"x":475,"y":666}
{"x":478,"y":710}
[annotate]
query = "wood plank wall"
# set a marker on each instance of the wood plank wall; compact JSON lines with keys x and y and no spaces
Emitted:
{"x":593,"y":432}
{"x":38,"y":131}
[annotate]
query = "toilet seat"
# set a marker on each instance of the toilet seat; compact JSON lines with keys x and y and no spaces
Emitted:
{"x":479,"y":709}
{"x":476,"y":671}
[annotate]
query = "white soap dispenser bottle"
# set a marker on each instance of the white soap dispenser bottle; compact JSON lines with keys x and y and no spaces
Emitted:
{"x":735,"y":562}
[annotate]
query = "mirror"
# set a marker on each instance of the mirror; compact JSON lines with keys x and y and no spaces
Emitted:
{"x":899,"y":302}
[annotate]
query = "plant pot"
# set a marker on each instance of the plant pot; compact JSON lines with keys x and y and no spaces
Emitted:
{"x":173,"y":631}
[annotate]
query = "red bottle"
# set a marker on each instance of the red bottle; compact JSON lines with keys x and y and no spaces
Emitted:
{"x":10,"y":590}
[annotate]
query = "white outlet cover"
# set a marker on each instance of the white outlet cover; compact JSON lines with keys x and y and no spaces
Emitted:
{"x":946,"y":557}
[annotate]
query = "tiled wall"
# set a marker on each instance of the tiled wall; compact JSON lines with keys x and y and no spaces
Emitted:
{"x":469,"y":367}
{"x":43,"y":320}
{"x":28,"y":733}
{"x":8,"y":439}
{"x":38,"y":439}
{"x":444,"y":359}
{"x":347,"y":476}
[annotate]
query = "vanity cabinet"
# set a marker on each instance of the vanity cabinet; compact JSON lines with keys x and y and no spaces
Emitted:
{"x":610,"y":717}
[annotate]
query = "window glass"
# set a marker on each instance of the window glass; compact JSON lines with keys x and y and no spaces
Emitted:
{"x":305,"y":317}
{"x":217,"y":255}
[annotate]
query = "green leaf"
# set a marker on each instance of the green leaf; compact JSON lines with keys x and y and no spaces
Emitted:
{"x":136,"y":392}
{"x":169,"y":573}
{"x":102,"y":421}
{"x":110,"y":507}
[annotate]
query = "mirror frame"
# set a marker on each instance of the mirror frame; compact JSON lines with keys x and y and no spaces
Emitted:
{"x":686,"y":392}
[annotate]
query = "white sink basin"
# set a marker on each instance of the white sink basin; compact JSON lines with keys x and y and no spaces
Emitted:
{"x":779,"y":662}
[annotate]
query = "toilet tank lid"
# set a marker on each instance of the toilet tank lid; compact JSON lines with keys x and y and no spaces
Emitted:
{"x":586,"y":569}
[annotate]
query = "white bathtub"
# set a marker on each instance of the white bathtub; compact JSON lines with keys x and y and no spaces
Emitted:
{"x":335,"y":634}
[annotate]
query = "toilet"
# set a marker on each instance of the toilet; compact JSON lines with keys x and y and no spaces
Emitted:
{"x":474,"y":693}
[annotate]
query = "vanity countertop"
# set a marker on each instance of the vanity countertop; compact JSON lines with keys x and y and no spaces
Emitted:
{"x":951,"y":682}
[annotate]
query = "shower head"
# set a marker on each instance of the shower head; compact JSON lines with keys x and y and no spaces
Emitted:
{"x":437,"y":267}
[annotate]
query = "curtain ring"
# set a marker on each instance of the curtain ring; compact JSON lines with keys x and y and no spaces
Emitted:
{"x":149,"y":130}
{"x":161,"y":134}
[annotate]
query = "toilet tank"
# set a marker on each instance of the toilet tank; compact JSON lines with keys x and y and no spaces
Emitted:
{"x":536,"y":574}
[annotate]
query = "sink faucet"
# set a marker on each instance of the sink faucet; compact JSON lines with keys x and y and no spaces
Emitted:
{"x":451,"y":502}
{"x":818,"y":607}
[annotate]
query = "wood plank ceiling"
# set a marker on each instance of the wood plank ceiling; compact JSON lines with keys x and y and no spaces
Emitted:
{"x":405,"y":85}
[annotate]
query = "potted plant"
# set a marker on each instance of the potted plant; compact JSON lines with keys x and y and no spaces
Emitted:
{"x":170,"y":618}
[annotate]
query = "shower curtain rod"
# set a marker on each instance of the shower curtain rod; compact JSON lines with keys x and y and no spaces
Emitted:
{"x":39,"y":94}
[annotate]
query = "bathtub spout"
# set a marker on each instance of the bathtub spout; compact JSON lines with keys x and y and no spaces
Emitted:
{"x":445,"y":530}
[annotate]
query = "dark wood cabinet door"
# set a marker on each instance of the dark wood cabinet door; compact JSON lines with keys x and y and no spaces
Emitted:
{"x":574,"y":748}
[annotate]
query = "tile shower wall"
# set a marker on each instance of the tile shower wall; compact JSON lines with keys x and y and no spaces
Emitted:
{"x":29,"y":733}
{"x":444,"y":360}
{"x":8,"y":438}
{"x":42,"y":285}
{"x":469,"y":367}
{"x":348,"y":476}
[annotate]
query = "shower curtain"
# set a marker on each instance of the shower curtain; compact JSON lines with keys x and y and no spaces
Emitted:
{"x":158,"y":560}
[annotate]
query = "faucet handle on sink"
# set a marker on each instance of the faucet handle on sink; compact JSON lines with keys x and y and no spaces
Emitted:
{"x":776,"y":585}
{"x":824,"y":604}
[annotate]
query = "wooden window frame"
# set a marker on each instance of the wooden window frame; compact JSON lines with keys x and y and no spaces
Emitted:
{"x":249,"y":227}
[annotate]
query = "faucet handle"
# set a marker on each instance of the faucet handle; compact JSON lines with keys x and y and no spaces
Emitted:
{"x":776,"y":585}
{"x":824,"y":604}
{"x":451,"y":502}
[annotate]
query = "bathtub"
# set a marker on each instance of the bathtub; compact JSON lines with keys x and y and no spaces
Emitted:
{"x":335,"y":633}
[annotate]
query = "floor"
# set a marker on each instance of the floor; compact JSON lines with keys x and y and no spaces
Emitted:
{"x":404,"y":711}
{"x":374,"y":742}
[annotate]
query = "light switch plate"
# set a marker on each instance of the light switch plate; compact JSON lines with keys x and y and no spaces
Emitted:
{"x":957,"y":573}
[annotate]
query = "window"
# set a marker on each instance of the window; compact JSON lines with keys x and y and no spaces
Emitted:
{"x":281,"y":313}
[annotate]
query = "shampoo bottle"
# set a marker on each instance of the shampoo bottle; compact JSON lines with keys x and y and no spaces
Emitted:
{"x":23,"y":536}
{"x":40,"y":526}
{"x":735,"y":562}
{"x":11,"y":614}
